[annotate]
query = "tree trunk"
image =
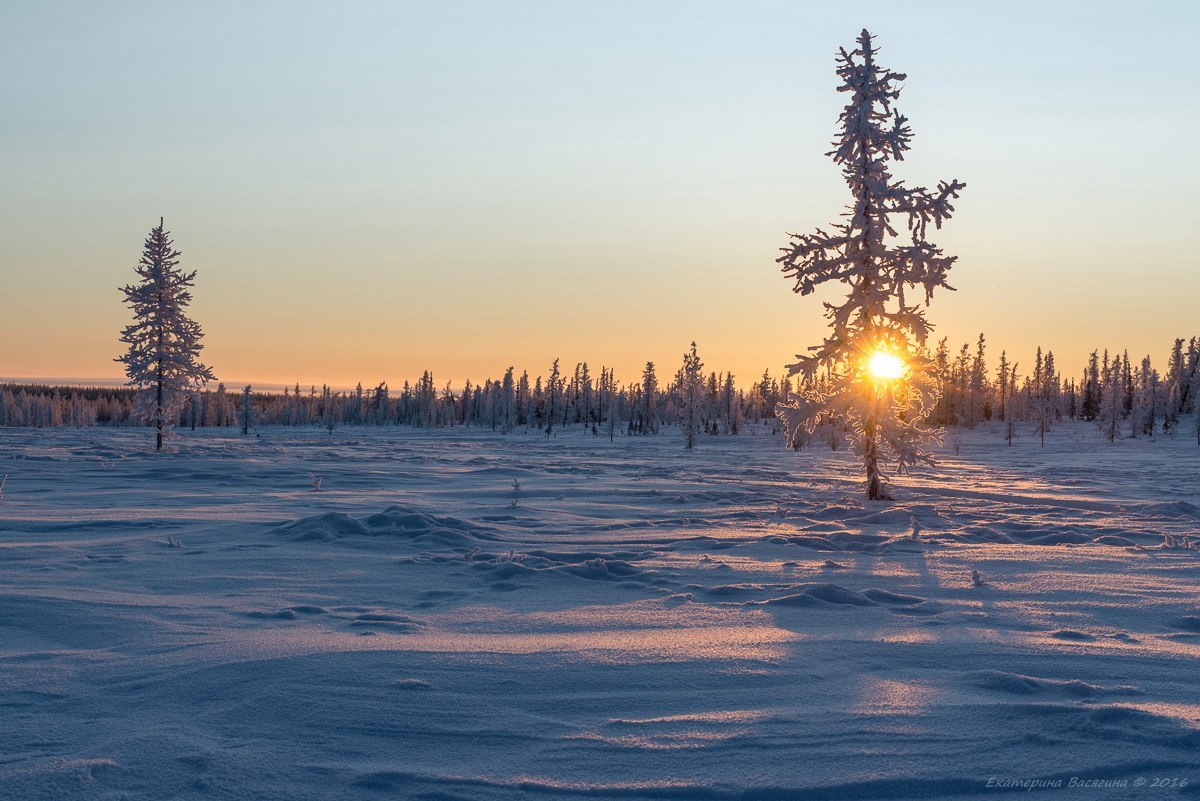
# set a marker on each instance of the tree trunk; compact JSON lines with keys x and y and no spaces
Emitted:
{"x":871,"y":459}
{"x":158,"y":366}
{"x":158,"y":413}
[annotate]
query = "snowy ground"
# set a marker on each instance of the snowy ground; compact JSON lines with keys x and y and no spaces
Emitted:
{"x":634,"y":622}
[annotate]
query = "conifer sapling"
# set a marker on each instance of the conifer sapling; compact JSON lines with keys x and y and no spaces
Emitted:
{"x":881,"y":382}
{"x":164,"y":343}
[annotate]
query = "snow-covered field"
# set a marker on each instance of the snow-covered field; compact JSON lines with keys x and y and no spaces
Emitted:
{"x":634,"y":621}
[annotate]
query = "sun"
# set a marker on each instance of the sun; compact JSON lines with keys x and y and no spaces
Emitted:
{"x":886,"y":366}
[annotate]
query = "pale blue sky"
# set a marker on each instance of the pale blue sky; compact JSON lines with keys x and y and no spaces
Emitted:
{"x":370,"y":189}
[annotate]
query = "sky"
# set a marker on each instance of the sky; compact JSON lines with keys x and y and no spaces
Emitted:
{"x":367,"y":190}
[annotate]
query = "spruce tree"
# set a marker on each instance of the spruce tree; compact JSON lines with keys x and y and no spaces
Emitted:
{"x":553,"y":398}
{"x":691,"y":390}
{"x":1091,"y":388}
{"x":885,"y":410}
{"x":246,"y":414}
{"x":648,"y":409}
{"x":164,"y":343}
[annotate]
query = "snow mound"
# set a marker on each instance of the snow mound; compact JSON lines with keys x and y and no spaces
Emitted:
{"x":1070,"y":635}
{"x":502,"y":568}
{"x":1138,"y":725}
{"x":855,"y":542}
{"x":1109,"y":539}
{"x":1171,"y":509}
{"x":327,"y":527}
{"x":395,"y":521}
{"x":899,"y":599}
{"x":1188,"y":623}
{"x":1018,"y":684}
{"x":1061,"y":538}
{"x":817,"y":595}
{"x":731,"y":590}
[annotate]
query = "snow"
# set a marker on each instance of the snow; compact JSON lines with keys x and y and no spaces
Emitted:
{"x":626,"y":620}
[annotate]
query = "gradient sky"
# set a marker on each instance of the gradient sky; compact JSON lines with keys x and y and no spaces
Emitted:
{"x":369,"y":189}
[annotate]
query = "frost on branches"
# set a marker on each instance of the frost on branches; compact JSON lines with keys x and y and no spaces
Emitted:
{"x":691,"y":392}
{"x":164,"y":342}
{"x":880,"y":382}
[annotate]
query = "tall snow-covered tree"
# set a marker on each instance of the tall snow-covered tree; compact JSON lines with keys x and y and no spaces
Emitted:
{"x":162,"y":361}
{"x":884,"y":408}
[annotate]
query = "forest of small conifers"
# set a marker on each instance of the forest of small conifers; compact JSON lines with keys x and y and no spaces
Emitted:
{"x":1125,"y":397}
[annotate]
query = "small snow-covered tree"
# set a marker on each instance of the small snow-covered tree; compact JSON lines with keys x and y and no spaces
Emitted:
{"x":553,"y":398}
{"x":1003,"y":382}
{"x":1045,"y":387}
{"x":524,"y":400}
{"x":691,"y":391}
{"x":1090,"y":408}
{"x":1195,"y":391}
{"x":613,"y":406}
{"x":1111,"y":402}
{"x":648,"y":407}
{"x":246,"y":414}
{"x":381,"y":403}
{"x":328,"y":414}
{"x":882,"y":382}
{"x":1146,"y":405}
{"x":1010,"y":425}
{"x":508,"y":403}
{"x":164,"y":342}
{"x":731,"y":406}
{"x":977,"y":384}
{"x":218,"y":406}
{"x":193,"y":412}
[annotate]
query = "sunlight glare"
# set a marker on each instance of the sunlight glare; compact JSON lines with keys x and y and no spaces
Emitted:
{"x":886,"y":366}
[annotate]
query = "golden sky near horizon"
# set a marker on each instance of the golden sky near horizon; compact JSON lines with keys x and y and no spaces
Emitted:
{"x":369,"y":194}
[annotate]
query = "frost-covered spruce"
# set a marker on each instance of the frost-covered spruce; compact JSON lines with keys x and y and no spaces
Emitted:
{"x":885,"y":420}
{"x":508,"y":403}
{"x":553,"y":398}
{"x":1146,"y":405}
{"x":648,"y":407}
{"x":328,"y":415}
{"x":164,"y":343}
{"x":246,"y":414}
{"x":1111,"y":402}
{"x":692,"y":397}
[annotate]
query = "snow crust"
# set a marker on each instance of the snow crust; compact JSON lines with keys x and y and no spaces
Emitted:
{"x":460,"y":615}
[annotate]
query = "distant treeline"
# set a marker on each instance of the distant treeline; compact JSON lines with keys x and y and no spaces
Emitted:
{"x":1127,"y":397}
{"x":514,"y":401}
